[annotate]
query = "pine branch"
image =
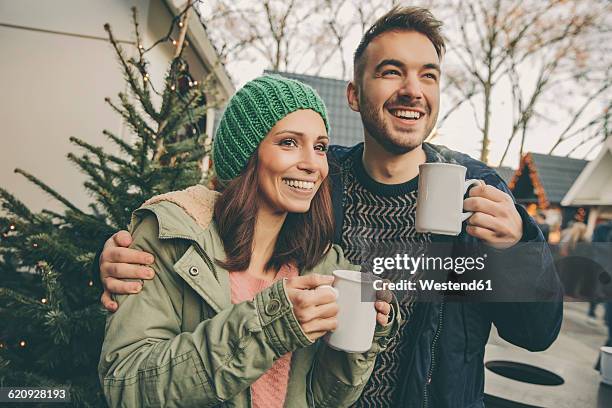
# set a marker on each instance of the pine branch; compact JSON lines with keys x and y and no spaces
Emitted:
{"x":126,"y":148}
{"x":137,"y":89}
{"x":15,"y":206}
{"x":136,"y":122}
{"x":54,"y":215}
{"x":50,"y":281}
{"x":184,"y":146}
{"x":169,"y":96}
{"x":180,"y":117}
{"x":118,"y":217}
{"x":11,"y":299}
{"x":110,"y":172}
{"x":59,"y":326}
{"x":60,"y":254}
{"x":145,"y":98}
{"x":96,"y":150}
{"x":47,"y":189}
{"x":10,"y":377}
{"x":91,"y":170}
{"x":91,"y":226}
{"x":159,"y":141}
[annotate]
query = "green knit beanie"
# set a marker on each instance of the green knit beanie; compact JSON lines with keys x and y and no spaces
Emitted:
{"x":251,"y":113}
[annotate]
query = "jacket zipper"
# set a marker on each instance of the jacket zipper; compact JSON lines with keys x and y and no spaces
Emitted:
{"x":211,"y":265}
{"x":432,"y":366}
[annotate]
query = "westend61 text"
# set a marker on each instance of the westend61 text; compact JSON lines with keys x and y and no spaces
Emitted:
{"x":424,"y":284}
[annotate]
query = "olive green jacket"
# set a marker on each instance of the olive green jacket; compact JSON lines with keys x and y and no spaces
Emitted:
{"x":181,"y":342}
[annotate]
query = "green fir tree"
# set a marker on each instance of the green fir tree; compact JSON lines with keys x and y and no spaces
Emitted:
{"x":52,"y":321}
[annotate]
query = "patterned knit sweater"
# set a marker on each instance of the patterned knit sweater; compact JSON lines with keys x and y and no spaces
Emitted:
{"x":269,"y":390}
{"x":379,"y":220}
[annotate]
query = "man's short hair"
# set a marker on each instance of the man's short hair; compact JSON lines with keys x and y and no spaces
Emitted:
{"x":401,"y":19}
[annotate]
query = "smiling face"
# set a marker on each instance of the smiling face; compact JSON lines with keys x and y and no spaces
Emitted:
{"x":292,"y":162}
{"x":398,"y":93}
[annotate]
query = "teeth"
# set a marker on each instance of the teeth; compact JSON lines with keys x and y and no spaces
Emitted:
{"x":407,"y":114}
{"x":304,"y":185}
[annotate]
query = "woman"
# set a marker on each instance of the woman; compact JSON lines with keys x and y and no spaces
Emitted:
{"x":228,"y":318}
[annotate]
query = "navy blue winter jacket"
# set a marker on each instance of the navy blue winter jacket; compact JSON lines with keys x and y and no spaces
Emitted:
{"x":447,"y":338}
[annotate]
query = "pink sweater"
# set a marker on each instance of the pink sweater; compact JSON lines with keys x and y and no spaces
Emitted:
{"x":270,"y":389}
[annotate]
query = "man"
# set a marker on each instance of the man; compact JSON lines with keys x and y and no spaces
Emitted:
{"x":438,"y":358}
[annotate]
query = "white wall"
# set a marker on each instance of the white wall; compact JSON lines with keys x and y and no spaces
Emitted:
{"x":52,"y":86}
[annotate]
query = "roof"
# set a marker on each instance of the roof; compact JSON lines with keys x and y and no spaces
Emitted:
{"x":506,"y":173}
{"x":544,"y":178}
{"x":346,"y":127}
{"x":594,"y":184}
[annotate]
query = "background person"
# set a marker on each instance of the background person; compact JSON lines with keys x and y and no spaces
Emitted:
{"x":542,"y":224}
{"x":603,"y":234}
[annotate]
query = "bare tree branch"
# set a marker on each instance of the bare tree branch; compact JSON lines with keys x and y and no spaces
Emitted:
{"x":565,"y":134}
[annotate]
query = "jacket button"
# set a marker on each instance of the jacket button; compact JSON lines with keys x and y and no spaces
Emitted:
{"x":194,"y":271}
{"x":273,"y":307}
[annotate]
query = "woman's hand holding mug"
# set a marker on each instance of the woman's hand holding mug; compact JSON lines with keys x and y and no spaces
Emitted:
{"x":314,"y":307}
{"x":315,"y":304}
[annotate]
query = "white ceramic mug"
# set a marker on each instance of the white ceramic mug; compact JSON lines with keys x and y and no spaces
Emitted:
{"x":355,"y":295}
{"x":606,"y":364}
{"x":440,"y":199}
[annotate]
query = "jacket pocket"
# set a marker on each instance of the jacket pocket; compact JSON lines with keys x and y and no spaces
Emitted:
{"x":197,"y":273}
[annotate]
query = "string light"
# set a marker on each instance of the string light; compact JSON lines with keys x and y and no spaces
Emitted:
{"x":90,"y":283}
{"x":180,"y":23}
{"x":172,"y":87}
{"x":12,"y":227}
{"x":22,"y":343}
{"x":195,"y":83}
{"x":35,"y":245}
{"x":1,"y":345}
{"x":146,"y":77}
{"x":190,"y":83}
{"x":5,"y":235}
{"x":173,"y":42}
{"x":140,"y":46}
{"x":44,"y":301}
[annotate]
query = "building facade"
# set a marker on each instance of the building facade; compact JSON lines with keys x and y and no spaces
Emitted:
{"x":57,"y":67}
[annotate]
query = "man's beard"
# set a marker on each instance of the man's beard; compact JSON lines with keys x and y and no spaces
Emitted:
{"x":376,"y":127}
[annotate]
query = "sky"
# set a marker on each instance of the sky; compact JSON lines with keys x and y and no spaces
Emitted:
{"x":460,"y":131}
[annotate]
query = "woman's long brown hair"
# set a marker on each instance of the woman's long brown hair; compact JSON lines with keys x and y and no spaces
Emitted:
{"x":303,"y":239}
